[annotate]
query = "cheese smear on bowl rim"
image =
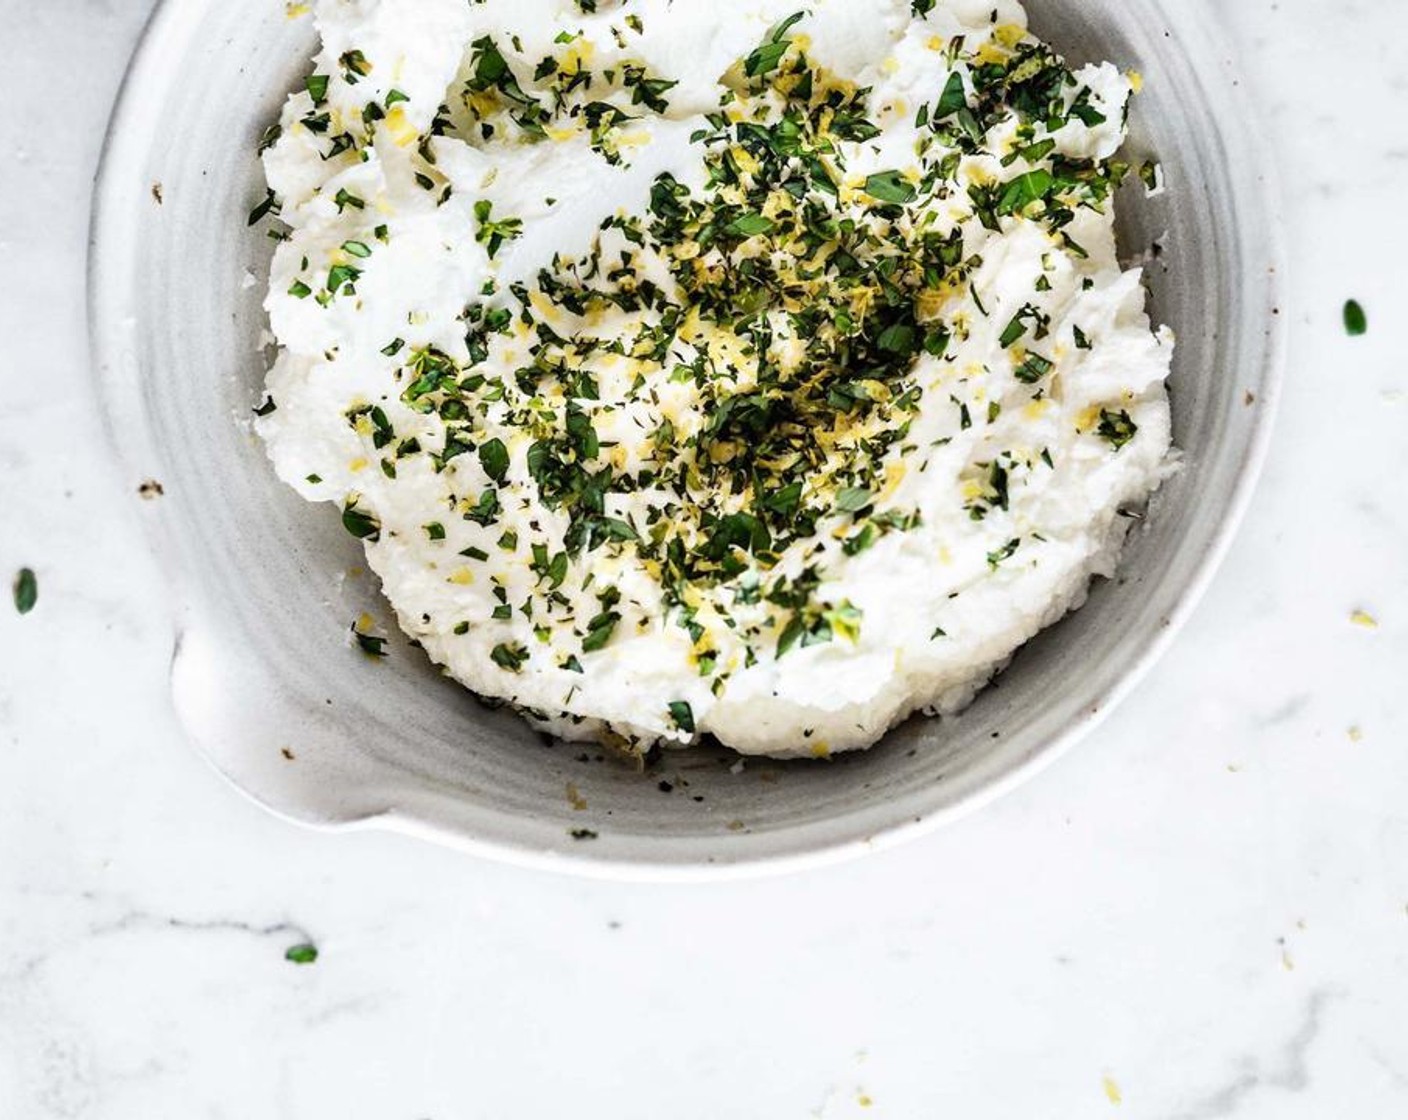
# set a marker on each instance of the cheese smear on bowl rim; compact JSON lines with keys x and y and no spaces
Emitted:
{"x":737,"y":369}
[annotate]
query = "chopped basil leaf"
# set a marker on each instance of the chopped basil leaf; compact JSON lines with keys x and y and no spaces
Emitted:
{"x":26,"y":590}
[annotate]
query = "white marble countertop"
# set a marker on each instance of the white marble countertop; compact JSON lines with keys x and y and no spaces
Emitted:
{"x":1202,"y":912}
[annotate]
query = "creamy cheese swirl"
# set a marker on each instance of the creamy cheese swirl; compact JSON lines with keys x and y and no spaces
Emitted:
{"x":765,"y":373}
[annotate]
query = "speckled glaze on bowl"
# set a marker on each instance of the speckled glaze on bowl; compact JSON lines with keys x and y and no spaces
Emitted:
{"x":265,"y":586}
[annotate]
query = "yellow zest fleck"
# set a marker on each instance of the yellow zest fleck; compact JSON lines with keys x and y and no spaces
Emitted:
{"x":993,"y":54}
{"x":356,"y":466}
{"x":1036,"y":409}
{"x":979,"y":175}
{"x":1365,"y":620}
{"x":891,"y":65}
{"x":294,"y":11}
{"x":577,"y":56}
{"x":744,"y":158}
{"x":936,"y":42}
{"x":894,"y":474}
{"x":863,"y":1099}
{"x":365,"y":624}
{"x":1088,"y":418}
{"x":1136,"y":81}
{"x":724,"y":451}
{"x":1112,"y":1090}
{"x":1286,"y":962}
{"x":560,"y":134}
{"x":398,"y":126}
{"x":575,"y":798}
{"x":462,"y":576}
{"x":483,"y":102}
{"x":1009,"y":34}
{"x":930,"y":303}
{"x":820,"y":750}
{"x":1356,"y":734}
{"x":546,"y":309}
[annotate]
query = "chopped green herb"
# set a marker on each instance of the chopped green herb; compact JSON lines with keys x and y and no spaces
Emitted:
{"x":360,"y":523}
{"x":493,"y":457}
{"x":510,"y":656}
{"x":682,"y":715}
{"x":301,"y":954}
{"x":369,"y":644}
{"x":26,"y":590}
{"x":270,"y":205}
{"x":890,"y":186}
{"x":1117,"y":427}
{"x":749,"y":225}
{"x":853,"y":499}
{"x":953,"y":98}
{"x":493,"y":233}
{"x":768,"y":56}
{"x":1356,"y":322}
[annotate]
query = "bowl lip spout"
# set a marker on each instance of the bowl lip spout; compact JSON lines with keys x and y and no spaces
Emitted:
{"x":112,"y":321}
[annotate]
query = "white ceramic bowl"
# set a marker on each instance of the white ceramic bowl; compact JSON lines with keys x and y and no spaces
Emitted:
{"x":262,"y":667}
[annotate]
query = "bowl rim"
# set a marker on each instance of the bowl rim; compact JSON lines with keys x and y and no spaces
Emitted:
{"x":121,"y":151}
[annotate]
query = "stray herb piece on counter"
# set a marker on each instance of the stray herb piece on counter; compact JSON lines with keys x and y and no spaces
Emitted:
{"x":1356,"y":322}
{"x":583,"y":834}
{"x":26,"y":591}
{"x":301,"y":954}
{"x":369,"y":644}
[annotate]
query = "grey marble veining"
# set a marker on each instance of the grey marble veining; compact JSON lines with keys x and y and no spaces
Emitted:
{"x":1201,"y":913}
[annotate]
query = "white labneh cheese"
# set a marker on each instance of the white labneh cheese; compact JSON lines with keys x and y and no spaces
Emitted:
{"x":712,"y":369}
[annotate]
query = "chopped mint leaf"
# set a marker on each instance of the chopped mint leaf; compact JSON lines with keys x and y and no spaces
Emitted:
{"x":1356,"y":322}
{"x":26,"y":590}
{"x":683,"y":716}
{"x":953,"y":98}
{"x":769,"y":55}
{"x":890,"y":186}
